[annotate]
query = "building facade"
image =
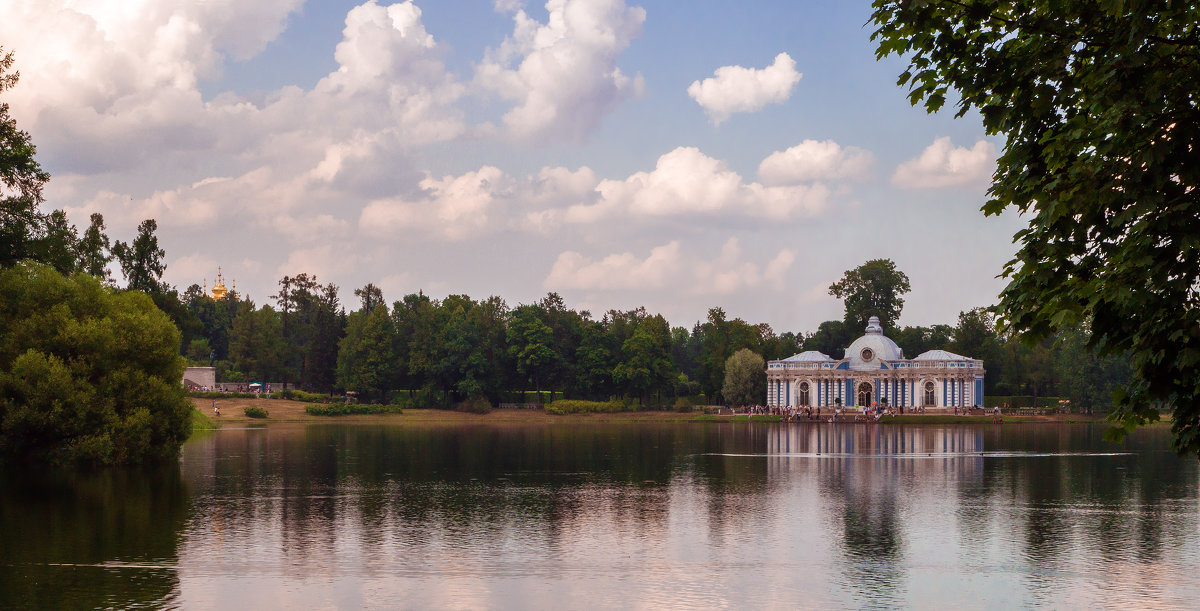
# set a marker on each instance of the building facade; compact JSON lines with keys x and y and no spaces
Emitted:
{"x":875,"y":372}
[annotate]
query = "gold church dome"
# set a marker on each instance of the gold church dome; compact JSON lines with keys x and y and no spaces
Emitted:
{"x":218,"y":290}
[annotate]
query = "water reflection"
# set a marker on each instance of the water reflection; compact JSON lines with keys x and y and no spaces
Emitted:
{"x":645,"y":515}
{"x":105,"y":539}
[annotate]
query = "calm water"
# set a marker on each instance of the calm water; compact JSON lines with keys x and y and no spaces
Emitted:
{"x":620,"y":516}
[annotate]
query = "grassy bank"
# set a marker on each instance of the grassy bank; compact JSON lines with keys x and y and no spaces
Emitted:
{"x":284,"y":410}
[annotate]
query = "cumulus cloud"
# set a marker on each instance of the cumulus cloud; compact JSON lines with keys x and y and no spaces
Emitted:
{"x":942,"y":164}
{"x":667,"y":267}
{"x":455,"y":207}
{"x":814,"y":160}
{"x":114,"y":86}
{"x":562,"y":75}
{"x":573,"y":270}
{"x":685,"y":182}
{"x":734,"y":89}
{"x":728,"y":273}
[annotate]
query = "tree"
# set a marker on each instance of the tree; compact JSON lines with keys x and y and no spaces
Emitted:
{"x":87,"y":374}
{"x":94,"y":250}
{"x":875,"y":288}
{"x":21,"y":181}
{"x":142,"y":261}
{"x":256,"y":345}
{"x":745,"y":379}
{"x":646,"y":366}
{"x":365,"y":361}
{"x":59,"y":244}
{"x":831,"y":338}
{"x":1096,"y":103}
{"x":530,"y":344}
{"x":371,"y":297}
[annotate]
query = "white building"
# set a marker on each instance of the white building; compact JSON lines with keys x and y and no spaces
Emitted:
{"x":874,"y":371}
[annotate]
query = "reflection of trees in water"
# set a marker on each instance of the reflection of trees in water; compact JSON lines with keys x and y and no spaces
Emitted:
{"x":1113,"y":510}
{"x":429,"y":487}
{"x":56,"y":528}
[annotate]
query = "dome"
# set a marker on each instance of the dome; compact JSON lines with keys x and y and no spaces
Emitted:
{"x":869,"y":351}
{"x":808,"y":356}
{"x":940,"y":355}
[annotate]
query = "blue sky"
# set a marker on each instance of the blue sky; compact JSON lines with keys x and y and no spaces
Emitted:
{"x":606,"y":150}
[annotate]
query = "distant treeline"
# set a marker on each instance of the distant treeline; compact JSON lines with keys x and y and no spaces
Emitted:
{"x":451,"y":349}
{"x":458,"y":347}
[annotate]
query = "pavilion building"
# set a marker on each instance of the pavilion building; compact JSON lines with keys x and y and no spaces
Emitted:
{"x":875,"y":372}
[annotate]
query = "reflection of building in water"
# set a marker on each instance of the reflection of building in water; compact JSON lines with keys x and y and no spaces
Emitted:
{"x":821,"y":438}
{"x":874,"y":371}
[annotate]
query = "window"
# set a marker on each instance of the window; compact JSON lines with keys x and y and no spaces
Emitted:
{"x":930,"y":397}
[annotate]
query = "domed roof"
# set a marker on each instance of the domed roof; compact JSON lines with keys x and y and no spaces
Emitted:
{"x":871,"y":350}
{"x":809,"y":355}
{"x":940,"y":355}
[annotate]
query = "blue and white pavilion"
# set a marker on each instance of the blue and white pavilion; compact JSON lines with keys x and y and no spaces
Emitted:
{"x":874,"y":371}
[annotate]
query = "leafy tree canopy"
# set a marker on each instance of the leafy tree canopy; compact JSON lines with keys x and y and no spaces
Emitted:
{"x":87,"y":374}
{"x":1097,"y":103}
{"x":875,"y":288}
{"x":745,"y":378}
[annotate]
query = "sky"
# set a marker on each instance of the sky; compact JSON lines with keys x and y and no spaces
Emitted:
{"x":677,"y":156}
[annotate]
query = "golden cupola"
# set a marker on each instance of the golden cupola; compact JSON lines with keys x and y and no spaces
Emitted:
{"x":218,"y":290}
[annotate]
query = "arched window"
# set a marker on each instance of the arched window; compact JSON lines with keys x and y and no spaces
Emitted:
{"x":930,"y":397}
{"x":803,"y":399}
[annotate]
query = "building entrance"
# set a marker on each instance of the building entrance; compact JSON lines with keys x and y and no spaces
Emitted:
{"x":864,"y":394}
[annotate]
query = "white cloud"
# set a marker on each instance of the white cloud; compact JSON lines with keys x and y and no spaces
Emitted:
{"x":455,"y":207}
{"x":666,"y":267}
{"x":728,"y":273}
{"x":942,"y":164}
{"x":562,"y":75}
{"x":622,"y":271}
{"x":814,"y":160}
{"x":735,"y":89}
{"x":685,"y":181}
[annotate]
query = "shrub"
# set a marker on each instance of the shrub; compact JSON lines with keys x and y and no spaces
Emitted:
{"x":563,"y":407}
{"x":221,"y":395}
{"x":684,"y":404}
{"x":476,"y":405}
{"x":255,"y":412}
{"x":351,"y":409}
{"x":300,"y":395}
{"x":88,"y":374}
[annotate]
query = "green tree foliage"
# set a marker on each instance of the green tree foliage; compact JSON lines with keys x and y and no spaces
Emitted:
{"x":875,"y":288}
{"x":531,"y":345}
{"x":745,"y":379}
{"x":22,"y":226}
{"x":646,"y":365}
{"x":87,"y":374}
{"x":142,"y":260}
{"x":94,"y":250}
{"x":256,"y":345}
{"x":313,"y":325}
{"x":366,"y":362}
{"x":1096,"y":102}
{"x":831,"y":338}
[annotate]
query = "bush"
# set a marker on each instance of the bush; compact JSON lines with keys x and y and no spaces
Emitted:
{"x":300,"y":395}
{"x":563,"y":407}
{"x":351,"y":409}
{"x":684,"y":405}
{"x":255,"y":412}
{"x":476,"y":405}
{"x":88,"y":374}
{"x":221,"y":395}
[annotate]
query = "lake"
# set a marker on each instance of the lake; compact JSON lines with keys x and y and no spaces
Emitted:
{"x":617,"y":515}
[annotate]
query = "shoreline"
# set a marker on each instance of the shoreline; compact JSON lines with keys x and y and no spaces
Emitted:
{"x":288,"y":411}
